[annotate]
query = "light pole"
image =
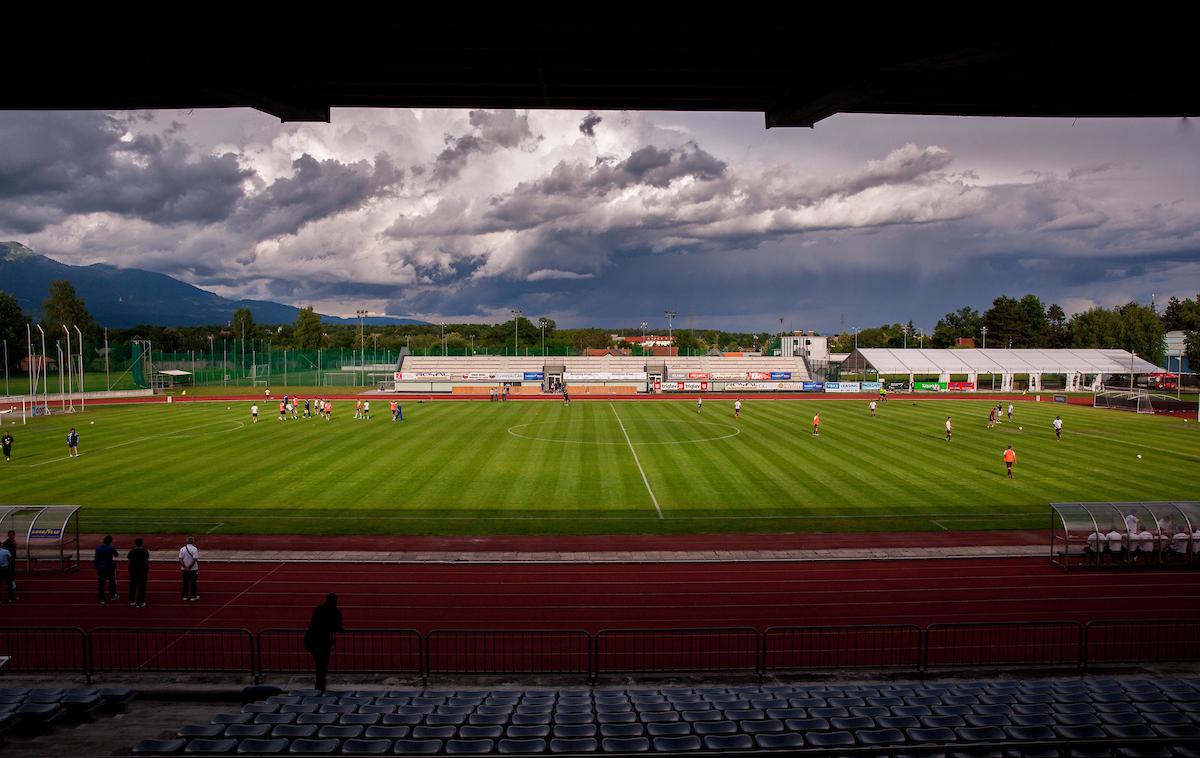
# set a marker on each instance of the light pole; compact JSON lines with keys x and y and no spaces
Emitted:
{"x":472,"y":344}
{"x":443,"y":328}
{"x":516,"y":314}
{"x":543,"y":323}
{"x":984,"y":330}
{"x":212,"y":356}
{"x":781,"y":336}
{"x":79,"y":336}
{"x":362,"y":337}
{"x":855,"y":328}
{"x":670,"y":333}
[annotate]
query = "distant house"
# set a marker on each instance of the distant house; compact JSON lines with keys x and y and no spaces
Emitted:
{"x":38,"y":361}
{"x":967,"y":342}
{"x":596,"y":352}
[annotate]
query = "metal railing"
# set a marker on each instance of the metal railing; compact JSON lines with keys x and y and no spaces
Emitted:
{"x":805,"y":648}
{"x":508,"y":651}
{"x":356,"y":651}
{"x":623,"y":651}
{"x":1023,"y":643}
{"x":1061,"y":644}
{"x":200,"y":650}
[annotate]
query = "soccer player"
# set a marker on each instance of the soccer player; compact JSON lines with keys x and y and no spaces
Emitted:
{"x":399,"y":411}
{"x":737,"y":408}
{"x":817,"y":425}
{"x":1010,"y":457}
{"x":991,"y":418}
{"x":393,"y":407}
{"x":883,"y":393}
{"x":73,"y":443}
{"x":872,"y":407}
{"x":1010,"y":410}
{"x":254,"y":413}
{"x":6,"y":443}
{"x":329,"y":410}
{"x":1057,"y":423}
{"x":566,"y":395}
{"x":291,"y":410}
{"x":282,"y":410}
{"x":367,"y":410}
{"x":358,"y":409}
{"x":307,"y":409}
{"x":949,"y":429}
{"x":699,"y":404}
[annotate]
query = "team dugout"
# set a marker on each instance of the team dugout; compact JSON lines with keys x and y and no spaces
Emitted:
{"x":1114,"y":534}
{"x":1081,"y":370}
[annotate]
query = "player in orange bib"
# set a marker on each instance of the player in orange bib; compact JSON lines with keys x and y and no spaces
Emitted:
{"x":1010,"y":457}
{"x":817,"y":425}
{"x":329,"y":410}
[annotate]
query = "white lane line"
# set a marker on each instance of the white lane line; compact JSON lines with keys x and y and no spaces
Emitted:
{"x":642,"y":471}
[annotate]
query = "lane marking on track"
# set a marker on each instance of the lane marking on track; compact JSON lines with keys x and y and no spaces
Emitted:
{"x":236,"y":597}
{"x":172,"y":433}
{"x":642,"y":471}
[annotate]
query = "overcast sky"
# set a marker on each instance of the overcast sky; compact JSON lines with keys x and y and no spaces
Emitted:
{"x":607,"y":219}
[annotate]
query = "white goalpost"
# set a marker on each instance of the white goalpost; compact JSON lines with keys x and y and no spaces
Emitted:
{"x":339,"y":379}
{"x":1124,"y":399}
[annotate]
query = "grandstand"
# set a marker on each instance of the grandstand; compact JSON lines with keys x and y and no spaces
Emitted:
{"x":1081,"y":370}
{"x":609,"y":374}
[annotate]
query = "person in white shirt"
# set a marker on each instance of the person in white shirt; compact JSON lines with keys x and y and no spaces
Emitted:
{"x":737,"y":408}
{"x":1057,"y":423}
{"x":254,"y":413}
{"x":189,"y":566}
{"x":1132,"y":523}
{"x":1010,"y":410}
{"x":949,"y":429}
{"x":367,"y":410}
{"x":1116,"y":544}
{"x":699,"y":404}
{"x":872,"y":407}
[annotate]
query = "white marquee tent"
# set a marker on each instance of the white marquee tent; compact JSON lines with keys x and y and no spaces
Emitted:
{"x":1083,"y":369}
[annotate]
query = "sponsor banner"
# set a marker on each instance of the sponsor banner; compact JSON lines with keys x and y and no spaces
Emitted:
{"x":605,"y":376}
{"x":962,"y":386}
{"x":896,"y":386}
{"x":533,"y":376}
{"x":763,"y":386}
{"x":1060,"y":398}
{"x":484,"y":376}
{"x":781,"y":375}
{"x":728,"y":376}
{"x":812,"y":386}
{"x":658,"y":385}
{"x":758,"y":375}
{"x":931,"y":386}
{"x":45,"y":533}
{"x":698,"y":375}
{"x":399,"y":376}
{"x":842,"y":387}
{"x":691,"y":386}
{"x":871,"y":386}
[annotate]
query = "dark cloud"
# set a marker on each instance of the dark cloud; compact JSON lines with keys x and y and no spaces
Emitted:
{"x":316,"y":190}
{"x":491,"y":131}
{"x":589,"y":123}
{"x":85,"y":163}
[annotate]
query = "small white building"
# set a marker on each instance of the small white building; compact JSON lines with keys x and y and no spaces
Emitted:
{"x":811,"y":346}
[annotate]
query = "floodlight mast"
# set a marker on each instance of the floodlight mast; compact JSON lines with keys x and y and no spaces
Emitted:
{"x":79,"y":353}
{"x":670,"y":334}
{"x":516,"y":314}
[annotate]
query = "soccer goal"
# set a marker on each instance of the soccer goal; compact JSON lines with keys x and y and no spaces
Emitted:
{"x":339,"y":379}
{"x":1136,"y":400}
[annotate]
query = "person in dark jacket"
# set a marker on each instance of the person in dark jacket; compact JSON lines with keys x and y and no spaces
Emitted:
{"x":139,"y":573}
{"x":318,"y":640}
{"x":105,"y":561}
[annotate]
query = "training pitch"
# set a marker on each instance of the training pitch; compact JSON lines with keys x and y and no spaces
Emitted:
{"x":597,"y":467}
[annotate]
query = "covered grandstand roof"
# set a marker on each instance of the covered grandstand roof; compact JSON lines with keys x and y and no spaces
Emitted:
{"x":968,"y":361}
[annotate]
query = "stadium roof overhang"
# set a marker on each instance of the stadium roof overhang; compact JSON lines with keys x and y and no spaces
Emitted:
{"x":795,"y":70}
{"x":978,"y":361}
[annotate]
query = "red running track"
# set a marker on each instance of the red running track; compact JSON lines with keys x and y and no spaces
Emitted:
{"x":597,"y":596}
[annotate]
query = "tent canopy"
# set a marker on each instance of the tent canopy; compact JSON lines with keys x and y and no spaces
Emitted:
{"x":978,"y":361}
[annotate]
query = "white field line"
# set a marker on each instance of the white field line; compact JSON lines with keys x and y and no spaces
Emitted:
{"x":172,"y":433}
{"x":642,"y":471}
{"x":938,"y":524}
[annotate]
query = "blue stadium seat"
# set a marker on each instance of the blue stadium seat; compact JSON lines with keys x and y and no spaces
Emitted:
{"x":879,"y":736}
{"x":779,"y":741}
{"x":210,"y":731}
{"x":359,"y":719}
{"x":508,"y":746}
{"x":985,"y":709}
{"x":714,"y":727}
{"x":807,"y":725}
{"x":478,"y":732}
{"x":898,"y":722}
{"x":277,"y":718}
{"x":258,"y":746}
{"x":526,"y":731}
{"x":385,"y":732}
{"x":338,"y":732}
{"x":1029,"y":733}
{"x":36,"y":717}
{"x":828,"y":712}
{"x":616,"y":718}
{"x":260,"y":708}
{"x":659,"y":717}
{"x":702,"y":715}
{"x":573,"y":746}
{"x":469,"y":747}
{"x":416,"y":747}
{"x":425,"y":732}
{"x":314,"y":747}
{"x":241,"y":731}
{"x":1129,"y":731}
{"x":1178,"y":731}
{"x":995,"y":719}
{"x":673,"y":729}
{"x":1175,"y":717}
{"x":320,"y":719}
{"x":874,"y":710}
{"x":531,"y":718}
{"x":853,"y":722}
{"x":728,"y":742}
{"x":760,"y":726}
{"x":938,"y":735}
{"x":454,"y":710}
{"x":979,"y":733}
{"x":625,"y":745}
{"x":651,"y":707}
{"x":299,"y":708}
{"x":574,"y":718}
{"x":573,"y":731}
{"x":295,"y":731}
{"x":677,"y":744}
{"x":829,"y":739}
{"x":1121,"y":718}
{"x":376,"y":708}
{"x":622,"y":730}
{"x":400,"y":719}
{"x":159,"y":747}
{"x":211,"y":747}
{"x":81,"y":704}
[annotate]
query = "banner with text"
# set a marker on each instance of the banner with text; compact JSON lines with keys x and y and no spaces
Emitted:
{"x":842,"y":387}
{"x":871,"y":386}
{"x":813,"y":386}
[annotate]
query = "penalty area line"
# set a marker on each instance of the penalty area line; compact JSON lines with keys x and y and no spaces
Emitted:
{"x":642,"y":471}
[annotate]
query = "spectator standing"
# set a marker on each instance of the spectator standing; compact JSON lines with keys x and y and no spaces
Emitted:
{"x":105,"y":561}
{"x":189,"y":566}
{"x":318,"y":640}
{"x":10,"y":543}
{"x":8,"y":569}
{"x":73,"y":443}
{"x":6,"y":443}
{"x":139,"y":573}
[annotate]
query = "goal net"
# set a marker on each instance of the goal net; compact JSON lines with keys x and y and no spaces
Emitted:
{"x":339,"y":379}
{"x":1135,"y":400}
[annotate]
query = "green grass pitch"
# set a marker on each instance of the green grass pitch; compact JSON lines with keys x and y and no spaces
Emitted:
{"x":542,"y":468}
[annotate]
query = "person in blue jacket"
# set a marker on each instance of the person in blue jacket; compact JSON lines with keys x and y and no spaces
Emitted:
{"x":106,"y":568}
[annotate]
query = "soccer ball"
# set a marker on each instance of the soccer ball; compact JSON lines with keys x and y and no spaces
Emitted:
{"x":1020,"y":428}
{"x":1139,"y":456}
{"x":93,"y":423}
{"x":227,"y":407}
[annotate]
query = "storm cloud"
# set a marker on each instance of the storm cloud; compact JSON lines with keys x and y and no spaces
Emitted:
{"x":465,"y":214}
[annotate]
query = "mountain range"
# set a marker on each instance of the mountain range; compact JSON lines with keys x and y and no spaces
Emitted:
{"x":125,"y":297}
